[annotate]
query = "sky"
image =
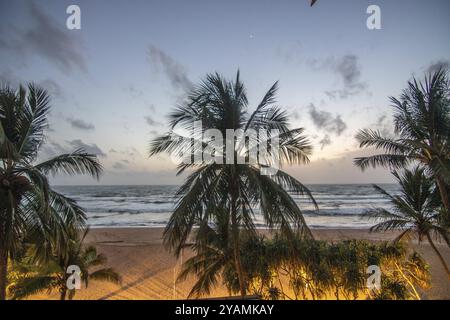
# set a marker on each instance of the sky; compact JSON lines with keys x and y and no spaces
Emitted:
{"x":114,"y":81}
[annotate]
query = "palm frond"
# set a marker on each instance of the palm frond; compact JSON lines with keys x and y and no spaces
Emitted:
{"x":29,"y":286}
{"x":106,"y":275}
{"x":77,"y":162}
{"x":32,"y":121}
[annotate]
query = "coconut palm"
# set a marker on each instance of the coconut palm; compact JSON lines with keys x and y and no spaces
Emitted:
{"x":29,"y":208}
{"x":213,"y":257}
{"x":237,"y":187}
{"x":53,"y":274}
{"x":422,"y":128}
{"x":414,"y":210}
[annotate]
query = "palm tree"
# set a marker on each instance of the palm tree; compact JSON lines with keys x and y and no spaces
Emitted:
{"x":53,"y":275}
{"x":29,"y":208}
{"x":213,"y":256}
{"x":414,"y":210}
{"x":236,"y":189}
{"x":422,"y":127}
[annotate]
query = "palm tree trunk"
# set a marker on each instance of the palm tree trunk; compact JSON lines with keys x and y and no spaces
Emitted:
{"x":63,"y":294}
{"x":444,"y":264}
{"x":235,"y":230}
{"x":443,"y":192}
{"x":236,"y":249}
{"x":3,"y":272}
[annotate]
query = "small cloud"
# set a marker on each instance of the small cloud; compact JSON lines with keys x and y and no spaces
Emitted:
{"x":384,"y":125}
{"x":435,"y":66}
{"x":9,"y":77}
{"x":47,"y":38}
{"x":80,"y":124}
{"x":151,"y":121}
{"x":52,"y":148}
{"x":174,"y":71}
{"x":135,"y":93}
{"x":325,"y":141}
{"x":53,"y":88}
{"x":324,"y":120}
{"x":89,"y":148}
{"x":296,"y":115}
{"x":119,"y":166}
{"x":349,"y":71}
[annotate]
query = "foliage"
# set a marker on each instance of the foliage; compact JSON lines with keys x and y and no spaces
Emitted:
{"x":280,"y":268}
{"x":29,"y":277}
{"x":30,"y":211}
{"x":415,"y":210}
{"x":422,"y":132}
{"x":229,"y":194}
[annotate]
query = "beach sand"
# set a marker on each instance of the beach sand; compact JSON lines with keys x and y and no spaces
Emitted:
{"x":149,"y":271}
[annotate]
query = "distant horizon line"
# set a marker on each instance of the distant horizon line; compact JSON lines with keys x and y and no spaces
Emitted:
{"x":177,"y":185}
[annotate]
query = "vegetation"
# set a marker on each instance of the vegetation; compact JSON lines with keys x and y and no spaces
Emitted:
{"x":229,"y":193}
{"x":422,"y":132}
{"x":30,"y":210}
{"x":31,"y":278}
{"x":279,"y":268}
{"x":415,"y":211}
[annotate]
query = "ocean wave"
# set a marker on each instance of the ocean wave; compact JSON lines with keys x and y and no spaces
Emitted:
{"x":112,"y":206}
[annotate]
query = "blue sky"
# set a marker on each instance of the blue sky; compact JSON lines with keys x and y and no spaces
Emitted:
{"x":114,"y":81}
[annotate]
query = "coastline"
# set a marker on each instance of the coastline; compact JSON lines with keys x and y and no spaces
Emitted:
{"x":148,"y":269}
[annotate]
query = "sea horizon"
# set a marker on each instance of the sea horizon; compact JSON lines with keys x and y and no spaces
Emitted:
{"x":117,"y":206}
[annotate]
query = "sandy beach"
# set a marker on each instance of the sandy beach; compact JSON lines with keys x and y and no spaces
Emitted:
{"x":149,"y":271}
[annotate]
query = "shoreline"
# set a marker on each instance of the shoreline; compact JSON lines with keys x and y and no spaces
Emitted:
{"x":149,"y":270}
{"x":257,"y":228}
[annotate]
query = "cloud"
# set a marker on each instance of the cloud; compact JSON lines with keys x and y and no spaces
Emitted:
{"x":52,"y":148}
{"x":348,"y":69}
{"x":384,"y":125}
{"x":440,"y":64}
{"x":80,"y":124}
{"x":129,"y":152}
{"x":9,"y":77}
{"x":119,"y":166}
{"x":151,"y":121}
{"x":46,"y":38}
{"x":173,"y":70}
{"x":295,"y":115}
{"x":89,"y":148}
{"x":324,"y":120}
{"x":134,"y":92}
{"x":53,"y":88}
{"x":325,"y":141}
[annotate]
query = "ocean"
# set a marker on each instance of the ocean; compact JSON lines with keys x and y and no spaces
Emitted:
{"x":340,"y":206}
